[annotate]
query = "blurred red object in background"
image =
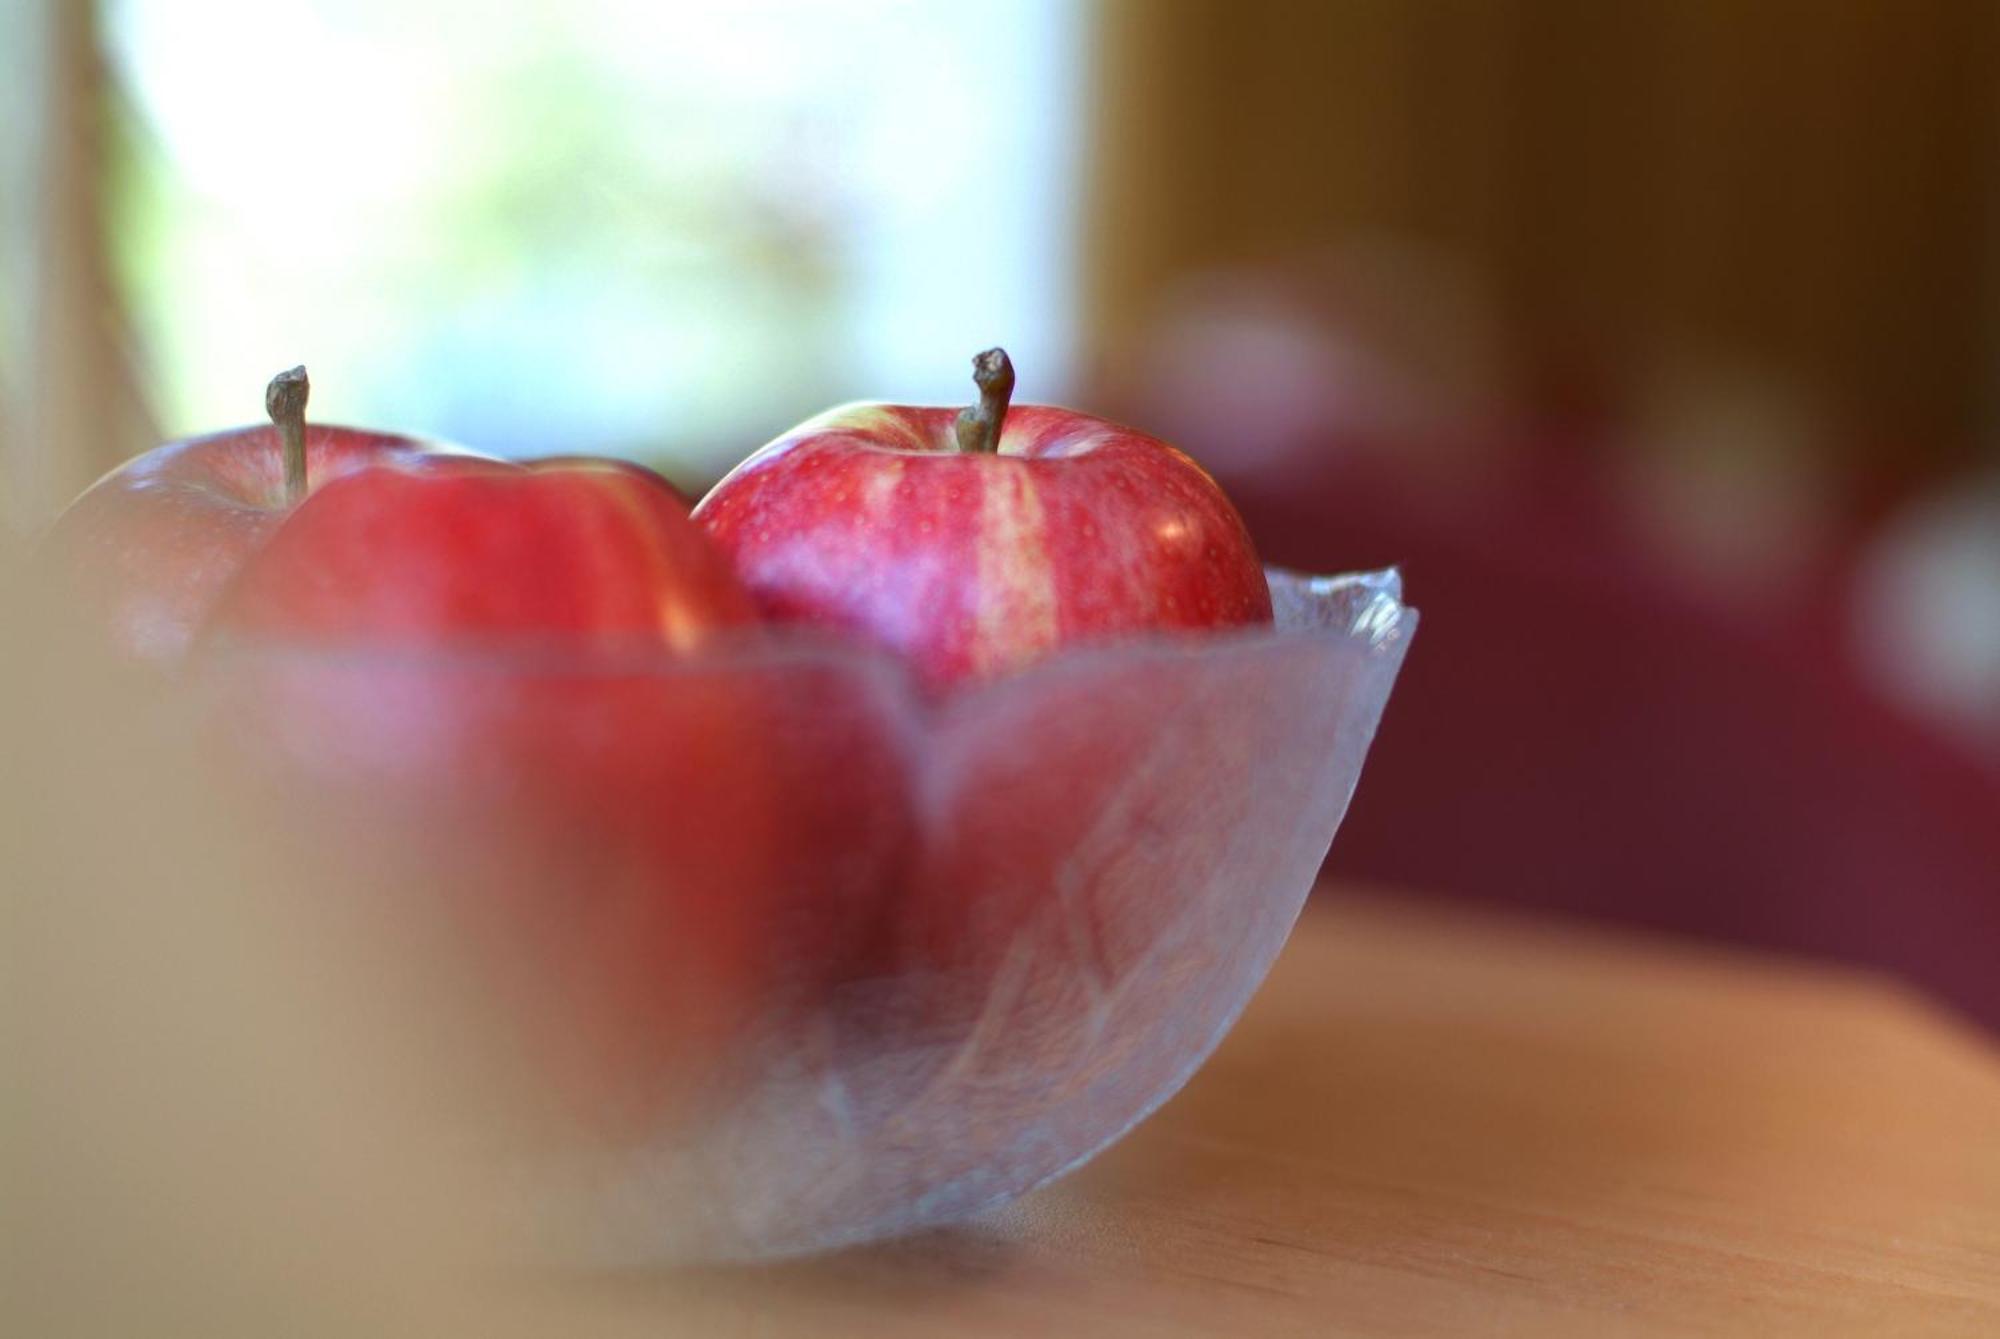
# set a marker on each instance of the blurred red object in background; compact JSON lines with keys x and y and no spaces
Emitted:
{"x":1636,"y":697}
{"x":1580,"y":734}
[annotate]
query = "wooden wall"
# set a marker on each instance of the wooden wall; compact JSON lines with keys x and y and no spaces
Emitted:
{"x":1805,"y":188}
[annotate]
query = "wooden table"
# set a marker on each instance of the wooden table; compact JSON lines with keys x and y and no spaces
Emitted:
{"x":1435,"y":1121}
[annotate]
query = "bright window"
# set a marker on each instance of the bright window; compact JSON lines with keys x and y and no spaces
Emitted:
{"x":661,"y":229}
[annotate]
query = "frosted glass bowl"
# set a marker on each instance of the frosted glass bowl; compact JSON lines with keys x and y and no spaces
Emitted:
{"x":832,"y":961}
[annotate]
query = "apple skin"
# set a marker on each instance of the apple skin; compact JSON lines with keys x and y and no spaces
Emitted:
{"x":515,"y":687}
{"x":639,"y":865}
{"x":969,"y":565}
{"x":152,"y":544}
{"x":582,"y":552}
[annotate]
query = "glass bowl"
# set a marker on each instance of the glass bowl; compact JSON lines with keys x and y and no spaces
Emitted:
{"x":803,"y":957}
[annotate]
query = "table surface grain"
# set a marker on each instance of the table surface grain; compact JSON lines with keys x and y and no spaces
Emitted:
{"x":1438,"y":1121}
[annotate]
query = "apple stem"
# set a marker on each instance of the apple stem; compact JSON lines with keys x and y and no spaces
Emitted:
{"x":978,"y":427}
{"x":285,"y":401}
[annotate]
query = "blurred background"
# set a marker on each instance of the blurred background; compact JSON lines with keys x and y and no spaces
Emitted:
{"x":1659,"y":342}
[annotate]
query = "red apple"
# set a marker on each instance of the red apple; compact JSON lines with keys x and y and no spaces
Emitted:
{"x":975,"y":542}
{"x":510,"y":683}
{"x":576,"y":553}
{"x":642,"y":860}
{"x":153,"y":543}
{"x":476,"y":674}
